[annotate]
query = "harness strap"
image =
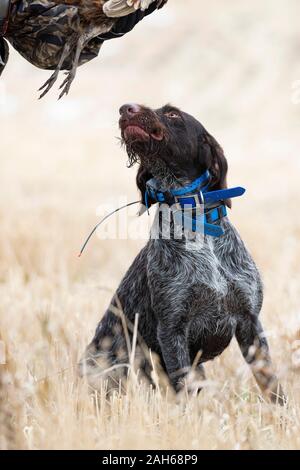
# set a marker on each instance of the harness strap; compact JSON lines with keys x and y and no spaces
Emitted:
{"x":199,"y":220}
{"x":4,"y":16}
{"x":192,"y":197}
{"x":203,"y":222}
{"x":200,"y":184}
{"x":222,"y":194}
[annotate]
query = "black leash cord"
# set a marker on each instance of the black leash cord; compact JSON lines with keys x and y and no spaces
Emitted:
{"x":101,"y":222}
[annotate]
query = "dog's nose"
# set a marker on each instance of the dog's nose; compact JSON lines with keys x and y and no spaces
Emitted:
{"x":130,"y":109}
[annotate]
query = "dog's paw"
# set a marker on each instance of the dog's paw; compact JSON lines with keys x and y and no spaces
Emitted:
{"x":191,"y":384}
{"x":277,"y":395}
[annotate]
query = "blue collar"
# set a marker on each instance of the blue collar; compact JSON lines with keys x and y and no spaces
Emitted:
{"x":195,"y":196}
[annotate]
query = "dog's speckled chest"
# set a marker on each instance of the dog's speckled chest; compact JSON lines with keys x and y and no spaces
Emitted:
{"x":211,"y":274}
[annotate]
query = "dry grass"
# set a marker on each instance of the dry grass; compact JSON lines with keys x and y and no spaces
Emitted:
{"x":233,"y":67}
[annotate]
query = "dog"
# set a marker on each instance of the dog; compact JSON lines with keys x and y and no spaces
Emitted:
{"x":195,"y":293}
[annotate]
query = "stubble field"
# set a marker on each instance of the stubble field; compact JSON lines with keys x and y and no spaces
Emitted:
{"x":235,"y":66}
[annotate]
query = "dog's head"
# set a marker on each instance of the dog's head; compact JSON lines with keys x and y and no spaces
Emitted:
{"x":171,"y":146}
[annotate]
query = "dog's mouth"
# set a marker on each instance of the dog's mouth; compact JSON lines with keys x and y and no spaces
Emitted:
{"x":133,"y":131}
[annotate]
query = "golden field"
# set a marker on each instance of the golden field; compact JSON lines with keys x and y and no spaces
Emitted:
{"x":234,"y":65}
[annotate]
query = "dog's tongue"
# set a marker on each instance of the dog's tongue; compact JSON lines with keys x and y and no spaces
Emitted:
{"x":135,"y":132}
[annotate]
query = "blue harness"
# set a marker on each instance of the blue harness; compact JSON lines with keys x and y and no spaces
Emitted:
{"x":192,"y":197}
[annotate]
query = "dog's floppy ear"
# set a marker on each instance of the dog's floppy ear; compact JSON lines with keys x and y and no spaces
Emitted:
{"x":143,"y":175}
{"x":216,"y":164}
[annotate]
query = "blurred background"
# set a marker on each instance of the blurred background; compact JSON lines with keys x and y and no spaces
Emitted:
{"x":233,"y":64}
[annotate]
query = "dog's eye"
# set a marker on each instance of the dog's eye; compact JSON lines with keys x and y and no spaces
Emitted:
{"x":172,"y":115}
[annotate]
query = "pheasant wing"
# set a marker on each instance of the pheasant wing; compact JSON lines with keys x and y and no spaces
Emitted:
{"x":119,"y":8}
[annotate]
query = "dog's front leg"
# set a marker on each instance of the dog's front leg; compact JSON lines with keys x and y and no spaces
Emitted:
{"x":255,"y":349}
{"x":174,"y":346}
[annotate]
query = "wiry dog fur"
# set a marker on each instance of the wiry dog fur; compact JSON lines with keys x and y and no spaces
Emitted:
{"x":191,"y":299}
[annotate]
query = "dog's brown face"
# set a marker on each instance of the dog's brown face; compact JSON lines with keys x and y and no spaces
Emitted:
{"x":171,"y":145}
{"x":140,"y":125}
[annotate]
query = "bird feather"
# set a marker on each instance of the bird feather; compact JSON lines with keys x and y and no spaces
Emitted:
{"x":119,"y":8}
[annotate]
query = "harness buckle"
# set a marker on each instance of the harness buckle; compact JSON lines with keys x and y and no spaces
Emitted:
{"x":192,"y":200}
